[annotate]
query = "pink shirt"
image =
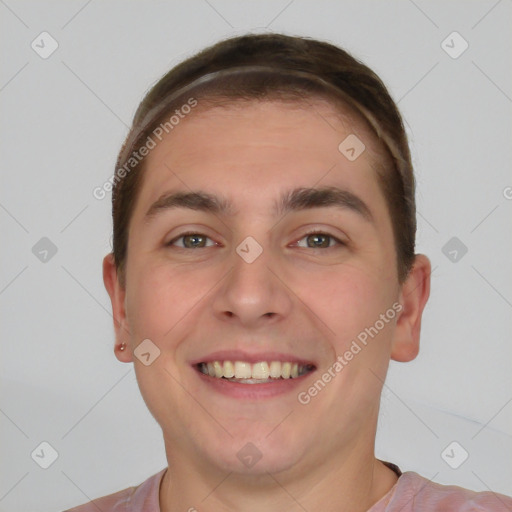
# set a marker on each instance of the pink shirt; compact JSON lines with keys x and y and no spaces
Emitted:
{"x":411,"y":493}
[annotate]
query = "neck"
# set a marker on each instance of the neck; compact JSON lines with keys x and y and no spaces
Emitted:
{"x":351,"y":481}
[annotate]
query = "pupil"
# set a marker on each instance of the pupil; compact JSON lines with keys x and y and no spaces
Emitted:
{"x":318,"y":242}
{"x":191,"y":241}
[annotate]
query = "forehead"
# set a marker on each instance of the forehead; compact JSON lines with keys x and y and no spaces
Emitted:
{"x":259,"y":148}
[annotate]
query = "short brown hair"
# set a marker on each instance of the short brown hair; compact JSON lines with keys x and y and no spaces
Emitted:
{"x":296,"y":67}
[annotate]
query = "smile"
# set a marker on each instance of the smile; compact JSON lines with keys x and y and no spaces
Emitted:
{"x":261,"y":372}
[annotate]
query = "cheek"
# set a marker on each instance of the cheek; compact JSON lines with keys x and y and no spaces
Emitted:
{"x":350,"y":303}
{"x":155,"y":300}
{"x":161,"y":298}
{"x":347,"y":301}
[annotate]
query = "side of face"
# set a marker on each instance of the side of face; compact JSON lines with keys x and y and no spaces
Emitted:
{"x":309,"y":296}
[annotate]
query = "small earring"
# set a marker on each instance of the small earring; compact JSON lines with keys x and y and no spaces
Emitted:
{"x":122,"y":346}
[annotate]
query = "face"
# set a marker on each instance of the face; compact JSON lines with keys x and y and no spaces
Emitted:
{"x":266,"y":280}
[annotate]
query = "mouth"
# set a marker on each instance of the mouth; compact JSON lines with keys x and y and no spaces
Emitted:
{"x":260,"y":372}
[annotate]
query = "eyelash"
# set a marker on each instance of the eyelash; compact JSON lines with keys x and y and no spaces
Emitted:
{"x":309,"y":233}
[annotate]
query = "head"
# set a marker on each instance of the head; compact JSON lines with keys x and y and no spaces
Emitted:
{"x":263,"y":209}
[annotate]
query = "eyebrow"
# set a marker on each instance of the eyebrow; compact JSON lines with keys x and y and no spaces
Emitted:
{"x":293,"y":200}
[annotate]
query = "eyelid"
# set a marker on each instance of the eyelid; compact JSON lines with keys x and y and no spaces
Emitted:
{"x":189,"y":233}
{"x":325,"y":232}
{"x":191,"y":229}
{"x":317,"y":231}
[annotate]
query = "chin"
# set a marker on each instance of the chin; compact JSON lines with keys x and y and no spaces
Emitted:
{"x":256,"y":454}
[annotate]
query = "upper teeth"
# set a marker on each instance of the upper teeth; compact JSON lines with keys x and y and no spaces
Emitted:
{"x":261,"y":370}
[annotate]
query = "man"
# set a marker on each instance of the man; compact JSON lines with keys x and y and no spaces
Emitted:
{"x":263,"y":276}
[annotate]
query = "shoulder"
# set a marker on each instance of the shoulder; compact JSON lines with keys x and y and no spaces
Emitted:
{"x":415,"y":493}
{"x":138,"y":498}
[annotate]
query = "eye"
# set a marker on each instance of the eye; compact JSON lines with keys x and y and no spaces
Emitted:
{"x":191,"y":241}
{"x":319,"y":240}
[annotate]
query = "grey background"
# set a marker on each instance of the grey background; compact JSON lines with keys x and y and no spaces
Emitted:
{"x":63,"y":121}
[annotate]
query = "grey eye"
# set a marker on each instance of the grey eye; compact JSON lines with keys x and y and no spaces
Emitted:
{"x":191,"y":241}
{"x":319,"y":241}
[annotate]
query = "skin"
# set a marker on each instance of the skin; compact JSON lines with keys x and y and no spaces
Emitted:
{"x":189,"y":302}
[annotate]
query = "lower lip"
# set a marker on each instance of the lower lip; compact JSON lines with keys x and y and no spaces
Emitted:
{"x":252,"y":391}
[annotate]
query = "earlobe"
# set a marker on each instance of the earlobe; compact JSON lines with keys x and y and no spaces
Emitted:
{"x":117,"y":296}
{"x":413,"y":297}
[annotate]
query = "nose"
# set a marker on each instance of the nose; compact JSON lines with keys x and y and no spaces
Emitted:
{"x":253,"y":294}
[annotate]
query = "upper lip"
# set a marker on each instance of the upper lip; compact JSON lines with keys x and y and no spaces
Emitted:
{"x":256,"y":357}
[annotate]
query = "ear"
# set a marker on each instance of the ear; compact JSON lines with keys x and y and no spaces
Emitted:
{"x":413,"y":297}
{"x":117,"y":295}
